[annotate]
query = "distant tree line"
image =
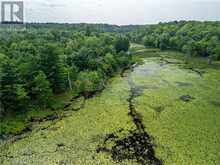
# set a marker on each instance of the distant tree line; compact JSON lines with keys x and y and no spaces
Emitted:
{"x":83,"y":27}
{"x":191,"y":37}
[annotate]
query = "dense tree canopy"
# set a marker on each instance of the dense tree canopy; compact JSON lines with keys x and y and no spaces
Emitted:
{"x":46,"y":59}
{"x":122,"y":44}
{"x":193,"y":38}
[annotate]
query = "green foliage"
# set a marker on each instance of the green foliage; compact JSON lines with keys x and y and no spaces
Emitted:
{"x":217,"y":52}
{"x":122,"y":44}
{"x":164,"y":41}
{"x":41,"y":89}
{"x":89,"y":82}
{"x":171,"y":122}
{"x":109,"y":66}
{"x":124,"y":59}
{"x":57,"y":57}
{"x":148,"y":41}
{"x":51,"y":65}
{"x":12,"y":126}
{"x":83,"y":57}
{"x":12,"y":93}
{"x":193,"y":38}
{"x":3,"y":58}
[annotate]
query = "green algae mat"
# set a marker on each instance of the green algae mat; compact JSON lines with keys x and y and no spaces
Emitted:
{"x":158,"y":113}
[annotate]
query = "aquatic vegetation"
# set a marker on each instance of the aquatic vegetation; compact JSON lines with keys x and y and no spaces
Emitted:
{"x":79,"y":133}
{"x":186,"y":132}
{"x":137,"y":145}
{"x":139,"y":118}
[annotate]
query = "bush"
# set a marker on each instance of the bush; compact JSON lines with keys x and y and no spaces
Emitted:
{"x":89,"y":82}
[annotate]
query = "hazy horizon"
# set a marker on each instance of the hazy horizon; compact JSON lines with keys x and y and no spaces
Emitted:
{"x":124,"y":12}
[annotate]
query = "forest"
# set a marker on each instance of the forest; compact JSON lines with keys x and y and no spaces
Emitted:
{"x":46,"y":59}
{"x":42,"y":61}
{"x":134,"y":94}
{"x":192,"y":38}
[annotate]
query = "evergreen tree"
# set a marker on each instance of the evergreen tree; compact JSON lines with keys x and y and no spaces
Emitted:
{"x":9,"y":88}
{"x":51,"y":65}
{"x":41,"y":89}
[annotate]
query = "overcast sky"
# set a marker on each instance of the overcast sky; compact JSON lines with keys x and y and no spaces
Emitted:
{"x":120,"y":12}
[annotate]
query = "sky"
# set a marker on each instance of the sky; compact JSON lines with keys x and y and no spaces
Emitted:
{"x":120,"y":12}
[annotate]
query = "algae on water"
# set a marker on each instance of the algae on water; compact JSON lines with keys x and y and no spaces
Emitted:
{"x":181,"y":132}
